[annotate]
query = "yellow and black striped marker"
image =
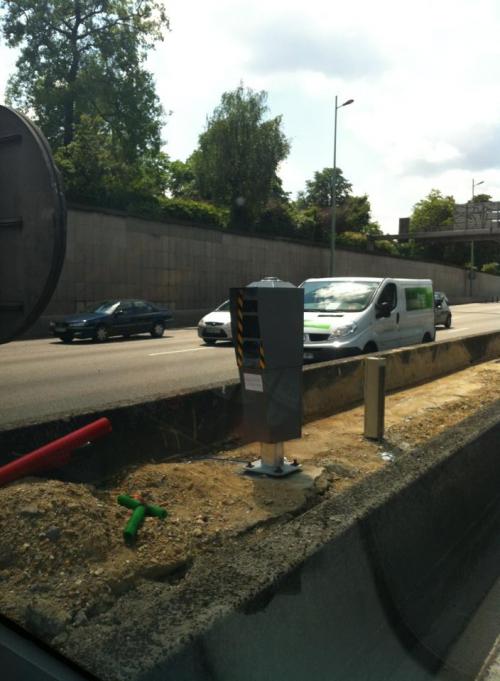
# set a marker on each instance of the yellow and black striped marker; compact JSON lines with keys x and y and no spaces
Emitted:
{"x":239,"y":330}
{"x":262,"y":360}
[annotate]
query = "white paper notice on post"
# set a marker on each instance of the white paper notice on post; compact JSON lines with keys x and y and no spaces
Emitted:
{"x":253,"y":382}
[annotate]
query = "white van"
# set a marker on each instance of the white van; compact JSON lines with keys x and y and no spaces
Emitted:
{"x":351,"y":315}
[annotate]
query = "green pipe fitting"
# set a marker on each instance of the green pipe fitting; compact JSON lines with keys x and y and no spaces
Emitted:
{"x":139,"y":511}
{"x":134,"y":523}
{"x":130,"y":502}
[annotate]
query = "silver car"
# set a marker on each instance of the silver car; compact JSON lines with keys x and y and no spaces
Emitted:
{"x":442,"y":312}
{"x":216,"y":325}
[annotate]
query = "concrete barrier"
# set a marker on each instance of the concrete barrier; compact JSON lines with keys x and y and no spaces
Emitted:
{"x":333,"y":386}
{"x":205,"y":420}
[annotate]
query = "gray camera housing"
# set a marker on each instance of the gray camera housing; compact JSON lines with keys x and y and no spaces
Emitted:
{"x":267,"y":319}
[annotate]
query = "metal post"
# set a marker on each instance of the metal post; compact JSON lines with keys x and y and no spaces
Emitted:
{"x":334,"y":201}
{"x":471,"y":273}
{"x":272,"y":454}
{"x":374,"y":391}
{"x":471,"y":265}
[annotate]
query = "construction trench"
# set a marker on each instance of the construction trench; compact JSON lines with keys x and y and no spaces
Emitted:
{"x":371,"y":563}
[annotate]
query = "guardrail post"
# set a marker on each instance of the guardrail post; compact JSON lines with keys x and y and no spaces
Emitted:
{"x":374,"y":393}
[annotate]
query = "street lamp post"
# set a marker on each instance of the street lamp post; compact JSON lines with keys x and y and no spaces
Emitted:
{"x":334,"y":187}
{"x":471,"y":274}
{"x":474,"y":185}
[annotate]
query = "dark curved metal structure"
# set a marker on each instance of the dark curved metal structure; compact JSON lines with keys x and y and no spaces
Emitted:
{"x":32,"y":224}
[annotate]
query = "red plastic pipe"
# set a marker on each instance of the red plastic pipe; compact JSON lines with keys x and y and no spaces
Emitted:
{"x":56,"y":453}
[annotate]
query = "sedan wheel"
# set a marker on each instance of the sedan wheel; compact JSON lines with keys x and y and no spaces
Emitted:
{"x":101,"y":334}
{"x":448,"y":321}
{"x":158,"y":330}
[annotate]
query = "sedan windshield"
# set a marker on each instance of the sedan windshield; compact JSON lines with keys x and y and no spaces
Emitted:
{"x":338,"y":296}
{"x":106,"y":307}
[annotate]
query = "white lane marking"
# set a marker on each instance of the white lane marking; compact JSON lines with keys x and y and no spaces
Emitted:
{"x":175,"y":352}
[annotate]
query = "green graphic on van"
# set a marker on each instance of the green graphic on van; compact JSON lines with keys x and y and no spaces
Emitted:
{"x":418,"y":298}
{"x":314,"y":325}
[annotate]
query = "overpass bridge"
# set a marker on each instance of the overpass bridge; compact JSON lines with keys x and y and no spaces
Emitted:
{"x":471,"y":222}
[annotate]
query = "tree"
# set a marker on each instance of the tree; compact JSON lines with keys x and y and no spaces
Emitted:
{"x":93,"y":173}
{"x":319,"y":190}
{"x":353,"y":240}
{"x":353,"y":214}
{"x":277,"y":191}
{"x":278,"y":218}
{"x":481,"y":198}
{"x":433,"y":212}
{"x":238,"y":155}
{"x":372,"y":229}
{"x":84,"y":57}
{"x":491,"y":268}
{"x":181,"y":181}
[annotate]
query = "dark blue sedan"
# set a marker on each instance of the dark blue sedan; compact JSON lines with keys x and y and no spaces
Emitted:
{"x":113,"y":318}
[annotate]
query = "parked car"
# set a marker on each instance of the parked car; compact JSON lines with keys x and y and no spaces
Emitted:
{"x":216,"y":325}
{"x":352,"y":315}
{"x":113,"y":318}
{"x":442,"y":313}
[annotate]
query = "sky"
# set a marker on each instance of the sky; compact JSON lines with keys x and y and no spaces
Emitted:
{"x":424,"y":78}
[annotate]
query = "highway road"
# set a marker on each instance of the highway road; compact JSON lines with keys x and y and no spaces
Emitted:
{"x":45,"y":378}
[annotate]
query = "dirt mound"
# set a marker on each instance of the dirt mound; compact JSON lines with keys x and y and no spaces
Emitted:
{"x":52,"y":526}
{"x":63,"y":558}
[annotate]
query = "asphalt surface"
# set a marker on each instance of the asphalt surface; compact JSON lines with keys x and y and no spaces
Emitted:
{"x":42,"y":379}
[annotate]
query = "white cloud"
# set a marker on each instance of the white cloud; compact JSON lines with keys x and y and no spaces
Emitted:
{"x":292,"y":47}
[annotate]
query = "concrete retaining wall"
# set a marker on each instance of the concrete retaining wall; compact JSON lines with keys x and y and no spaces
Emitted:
{"x":191,"y":268}
{"x":206,"y":420}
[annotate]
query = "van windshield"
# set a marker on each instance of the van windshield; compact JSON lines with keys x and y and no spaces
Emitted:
{"x":338,"y":296}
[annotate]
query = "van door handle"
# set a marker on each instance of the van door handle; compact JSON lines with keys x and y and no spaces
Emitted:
{"x":397,"y":318}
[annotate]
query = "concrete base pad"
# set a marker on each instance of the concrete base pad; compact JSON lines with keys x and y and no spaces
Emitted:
{"x":260,"y":468}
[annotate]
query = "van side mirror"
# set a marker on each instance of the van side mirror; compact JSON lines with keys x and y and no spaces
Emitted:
{"x":383,"y":310}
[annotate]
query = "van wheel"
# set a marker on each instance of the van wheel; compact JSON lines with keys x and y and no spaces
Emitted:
{"x":447,"y":323}
{"x":370,"y":347}
{"x":427,"y":338}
